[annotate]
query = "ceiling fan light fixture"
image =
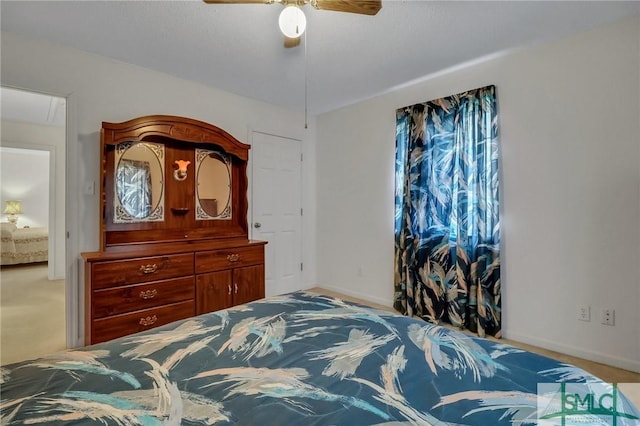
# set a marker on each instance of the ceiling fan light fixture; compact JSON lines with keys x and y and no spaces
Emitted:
{"x":292,"y":21}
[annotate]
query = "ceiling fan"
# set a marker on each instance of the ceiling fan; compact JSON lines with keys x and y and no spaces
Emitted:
{"x":292,"y":21}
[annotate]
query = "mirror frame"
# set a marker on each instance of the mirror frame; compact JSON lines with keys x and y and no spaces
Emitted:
{"x":121,"y":213}
{"x":225,"y":160}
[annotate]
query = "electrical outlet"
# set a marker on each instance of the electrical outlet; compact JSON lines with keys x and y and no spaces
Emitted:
{"x":608,"y":317}
{"x":584,"y":313}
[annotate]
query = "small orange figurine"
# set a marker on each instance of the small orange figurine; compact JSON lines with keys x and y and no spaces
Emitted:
{"x":181,"y":172}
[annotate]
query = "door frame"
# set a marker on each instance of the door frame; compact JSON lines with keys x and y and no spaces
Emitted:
{"x":74,"y":292}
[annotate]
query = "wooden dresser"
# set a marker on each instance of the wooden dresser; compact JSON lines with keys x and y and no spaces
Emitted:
{"x":171,"y":247}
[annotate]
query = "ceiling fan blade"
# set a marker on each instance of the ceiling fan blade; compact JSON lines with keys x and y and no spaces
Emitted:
{"x":291,"y":42}
{"x":365,"y":7}
{"x":238,"y":1}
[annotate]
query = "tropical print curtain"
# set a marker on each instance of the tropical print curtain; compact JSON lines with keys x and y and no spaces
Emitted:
{"x":447,"y":226}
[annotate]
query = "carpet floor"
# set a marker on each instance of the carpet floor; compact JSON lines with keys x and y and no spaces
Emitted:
{"x":32,"y":313}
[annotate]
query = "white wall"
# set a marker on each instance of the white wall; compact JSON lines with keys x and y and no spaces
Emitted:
{"x":52,"y":140}
{"x":25,"y":177}
{"x":99,"y":89}
{"x":569,"y":131}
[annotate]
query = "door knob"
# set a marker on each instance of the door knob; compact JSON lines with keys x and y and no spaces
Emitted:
{"x":257,"y":225}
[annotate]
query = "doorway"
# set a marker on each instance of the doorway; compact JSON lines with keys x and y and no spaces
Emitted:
{"x":33,"y":152}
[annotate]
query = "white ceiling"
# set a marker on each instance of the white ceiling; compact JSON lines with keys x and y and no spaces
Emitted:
{"x":350,"y":57}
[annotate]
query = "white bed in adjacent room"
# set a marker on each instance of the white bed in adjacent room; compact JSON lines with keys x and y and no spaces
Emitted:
{"x":23,"y":245}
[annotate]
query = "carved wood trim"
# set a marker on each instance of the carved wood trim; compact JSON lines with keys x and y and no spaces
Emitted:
{"x":179,"y":128}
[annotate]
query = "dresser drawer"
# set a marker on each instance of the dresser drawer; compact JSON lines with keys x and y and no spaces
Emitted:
{"x":133,"y":271}
{"x":121,"y":325}
{"x":216,"y":260}
{"x":118,"y":300}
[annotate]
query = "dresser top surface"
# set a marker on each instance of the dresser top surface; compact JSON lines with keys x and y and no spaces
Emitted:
{"x":127,"y":251}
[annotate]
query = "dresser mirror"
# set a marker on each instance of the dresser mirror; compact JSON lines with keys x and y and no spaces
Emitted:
{"x":213,"y":185}
{"x":139,"y":182}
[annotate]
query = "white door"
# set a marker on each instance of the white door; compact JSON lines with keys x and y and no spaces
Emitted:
{"x":277,"y":209}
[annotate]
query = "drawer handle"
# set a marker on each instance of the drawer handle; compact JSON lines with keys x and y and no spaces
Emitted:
{"x":148,"y":320}
{"x":233,"y":257}
{"x":235,"y":287}
{"x":148,"y":269}
{"x":229,"y":287}
{"x":148,"y":294}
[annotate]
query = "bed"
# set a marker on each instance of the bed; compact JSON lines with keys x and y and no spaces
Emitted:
{"x":23,"y":245}
{"x":300,"y":358}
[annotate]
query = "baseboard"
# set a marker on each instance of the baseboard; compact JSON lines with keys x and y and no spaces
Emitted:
{"x":368,"y":298}
{"x":626,"y":364}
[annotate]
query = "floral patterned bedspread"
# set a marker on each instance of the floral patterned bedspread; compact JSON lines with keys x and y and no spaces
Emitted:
{"x":297,"y":359}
